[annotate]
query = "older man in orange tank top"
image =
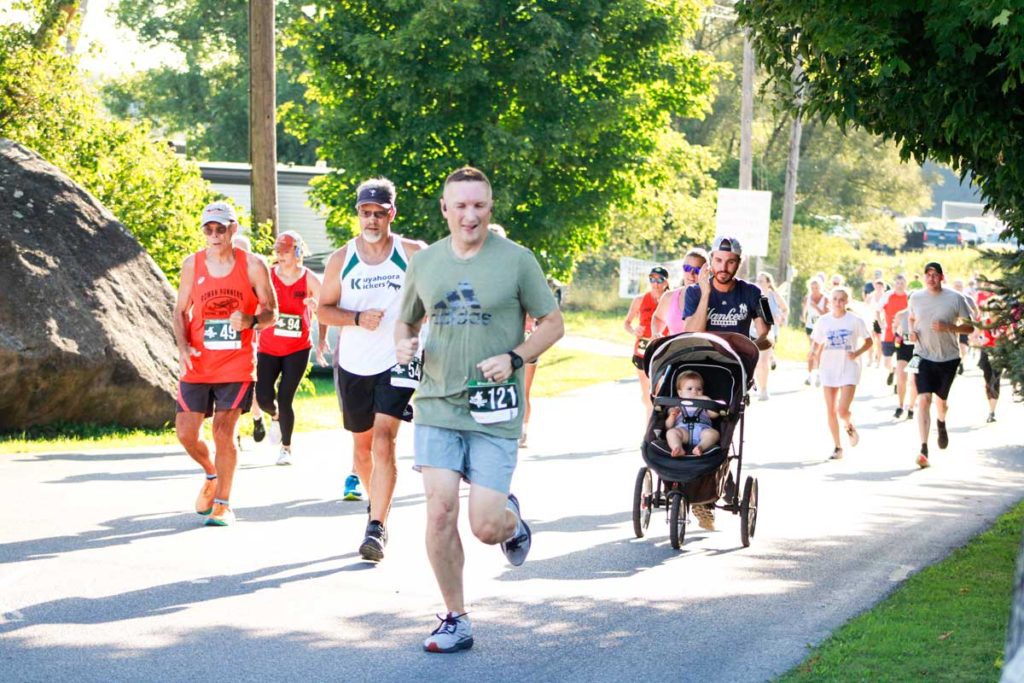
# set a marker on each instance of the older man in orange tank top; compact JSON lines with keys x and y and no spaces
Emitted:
{"x":214,"y":318}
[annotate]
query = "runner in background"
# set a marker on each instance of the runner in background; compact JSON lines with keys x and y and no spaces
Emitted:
{"x":964,"y":339}
{"x":780,"y":313}
{"x":906,"y":387}
{"x":642,"y":311}
{"x":840,"y":338}
{"x":986,"y":337}
{"x":815,"y":306}
{"x":668,"y":317}
{"x":283,"y":352}
{"x":892,"y":302}
{"x":259,"y":430}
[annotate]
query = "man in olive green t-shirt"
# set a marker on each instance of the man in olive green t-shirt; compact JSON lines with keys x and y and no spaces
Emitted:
{"x":475,"y":289}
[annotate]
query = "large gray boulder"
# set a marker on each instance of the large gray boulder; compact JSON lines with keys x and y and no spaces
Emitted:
{"x":85,"y":313}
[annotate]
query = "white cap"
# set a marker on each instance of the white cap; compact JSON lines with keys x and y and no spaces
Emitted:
{"x":219,"y":212}
{"x":726,"y":243}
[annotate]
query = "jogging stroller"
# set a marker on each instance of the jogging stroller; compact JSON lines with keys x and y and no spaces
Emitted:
{"x":726,"y":362}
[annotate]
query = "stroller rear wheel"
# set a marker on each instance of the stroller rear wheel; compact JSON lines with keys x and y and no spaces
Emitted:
{"x":642,"y":499}
{"x":678,"y":508}
{"x":748,"y":511}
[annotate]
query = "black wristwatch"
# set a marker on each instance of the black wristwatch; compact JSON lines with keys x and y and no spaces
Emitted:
{"x":517,"y":360}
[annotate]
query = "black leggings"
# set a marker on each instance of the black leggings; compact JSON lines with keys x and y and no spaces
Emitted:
{"x":992,"y":376}
{"x":291,"y":369}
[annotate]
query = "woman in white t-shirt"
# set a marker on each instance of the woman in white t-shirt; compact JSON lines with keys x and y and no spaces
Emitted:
{"x":839,"y":339}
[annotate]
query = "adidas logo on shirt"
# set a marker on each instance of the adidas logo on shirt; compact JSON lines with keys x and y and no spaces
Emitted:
{"x":460,"y":307}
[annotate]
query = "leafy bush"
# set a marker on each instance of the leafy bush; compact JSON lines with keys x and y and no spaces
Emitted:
{"x":46,"y":105}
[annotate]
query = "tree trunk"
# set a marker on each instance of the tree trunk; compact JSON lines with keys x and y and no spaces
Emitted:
{"x":262,"y":113}
{"x":792,"y":169}
{"x":747,"y":115}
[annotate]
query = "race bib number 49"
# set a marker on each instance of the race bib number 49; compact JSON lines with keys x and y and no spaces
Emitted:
{"x":288,"y":326}
{"x":491,"y":402}
{"x":407,"y":376}
{"x":218,"y":335}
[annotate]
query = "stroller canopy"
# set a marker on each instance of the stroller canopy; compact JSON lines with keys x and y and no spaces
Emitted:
{"x":727,"y":349}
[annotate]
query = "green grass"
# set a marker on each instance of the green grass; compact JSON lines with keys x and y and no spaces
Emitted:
{"x":603,"y":325}
{"x":946,"y":623}
{"x":316,"y":408}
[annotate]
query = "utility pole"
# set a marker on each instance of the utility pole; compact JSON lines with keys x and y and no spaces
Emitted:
{"x":262,"y":113}
{"x":747,"y":115}
{"x":792,"y":167}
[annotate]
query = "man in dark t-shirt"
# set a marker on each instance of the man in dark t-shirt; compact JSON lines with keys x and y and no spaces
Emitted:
{"x":720,"y":301}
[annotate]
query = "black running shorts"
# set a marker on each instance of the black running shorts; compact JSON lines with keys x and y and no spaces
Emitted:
{"x":205,"y":398}
{"x":361,"y":397}
{"x":936,"y":378}
{"x":905,"y":352}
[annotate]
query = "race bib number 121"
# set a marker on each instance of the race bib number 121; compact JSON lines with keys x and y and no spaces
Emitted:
{"x":491,"y":402}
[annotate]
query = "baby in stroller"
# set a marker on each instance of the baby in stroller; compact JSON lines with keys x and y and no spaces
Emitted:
{"x":689,"y":425}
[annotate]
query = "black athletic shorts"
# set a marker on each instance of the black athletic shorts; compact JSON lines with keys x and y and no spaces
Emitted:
{"x":205,"y":398}
{"x":936,"y":378}
{"x":361,"y":397}
{"x":905,"y":352}
{"x":638,"y":362}
{"x":876,"y":327}
{"x":888,"y":348}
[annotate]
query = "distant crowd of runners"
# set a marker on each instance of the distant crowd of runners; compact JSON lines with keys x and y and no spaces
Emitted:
{"x":920,"y":330}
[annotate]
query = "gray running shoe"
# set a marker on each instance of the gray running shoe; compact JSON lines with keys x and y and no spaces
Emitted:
{"x":372,"y":548}
{"x":518,"y":547}
{"x":455,"y":633}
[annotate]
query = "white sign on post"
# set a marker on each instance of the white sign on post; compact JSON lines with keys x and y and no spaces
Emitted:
{"x":745,"y":215}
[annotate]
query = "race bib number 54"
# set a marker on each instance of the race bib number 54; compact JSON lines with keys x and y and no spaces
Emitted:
{"x":218,"y":335}
{"x":491,"y":402}
{"x":407,"y":376}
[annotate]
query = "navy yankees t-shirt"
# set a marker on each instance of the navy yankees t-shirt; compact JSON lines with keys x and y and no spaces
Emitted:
{"x":730,"y":311}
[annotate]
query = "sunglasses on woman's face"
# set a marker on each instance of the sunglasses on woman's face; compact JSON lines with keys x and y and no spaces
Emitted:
{"x":209,"y":229}
{"x":687,"y":268}
{"x":656,"y":280}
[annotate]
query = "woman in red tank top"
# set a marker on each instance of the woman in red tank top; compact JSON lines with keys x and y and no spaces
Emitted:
{"x":642,"y":310}
{"x":283,"y":350}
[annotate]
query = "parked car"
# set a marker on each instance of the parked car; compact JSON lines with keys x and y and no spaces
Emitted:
{"x":970,"y":236}
{"x":929,"y":232}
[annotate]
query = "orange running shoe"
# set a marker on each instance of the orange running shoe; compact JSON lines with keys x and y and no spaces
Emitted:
{"x":922,"y":461}
{"x":204,"y":502}
{"x":222,"y":516}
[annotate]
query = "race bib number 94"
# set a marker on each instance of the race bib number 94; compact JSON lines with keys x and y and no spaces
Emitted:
{"x":288,"y":326}
{"x":491,"y":402}
{"x":218,"y":335}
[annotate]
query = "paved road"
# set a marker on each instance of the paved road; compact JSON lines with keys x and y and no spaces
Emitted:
{"x":106,"y":572}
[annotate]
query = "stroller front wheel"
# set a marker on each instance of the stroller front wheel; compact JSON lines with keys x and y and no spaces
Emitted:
{"x":642,"y":500}
{"x":678,"y":507}
{"x":748,"y":511}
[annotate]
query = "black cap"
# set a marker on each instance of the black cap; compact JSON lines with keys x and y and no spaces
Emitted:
{"x":375,"y":194}
{"x":658,"y":270}
{"x":934,"y":264}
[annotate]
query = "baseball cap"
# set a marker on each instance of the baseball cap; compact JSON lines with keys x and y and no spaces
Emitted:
{"x":658,"y":270}
{"x":375,"y":194}
{"x":288,"y":240}
{"x":725,"y":243}
{"x":934,"y":264}
{"x":219,"y":212}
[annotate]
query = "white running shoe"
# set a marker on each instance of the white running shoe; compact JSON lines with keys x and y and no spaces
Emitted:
{"x":275,"y":432}
{"x":455,"y":633}
{"x":285,"y":456}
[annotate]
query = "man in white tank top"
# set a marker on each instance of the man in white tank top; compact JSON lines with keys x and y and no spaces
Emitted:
{"x":361,"y":295}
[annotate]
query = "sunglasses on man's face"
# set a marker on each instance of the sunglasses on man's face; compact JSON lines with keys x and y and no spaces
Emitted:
{"x":209,"y":229}
{"x":656,"y":280}
{"x":687,"y":268}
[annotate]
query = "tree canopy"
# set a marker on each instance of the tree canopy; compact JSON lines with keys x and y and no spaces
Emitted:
{"x":207,"y":97}
{"x":943,"y":80}
{"x":45,"y":104}
{"x":561,"y":102}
